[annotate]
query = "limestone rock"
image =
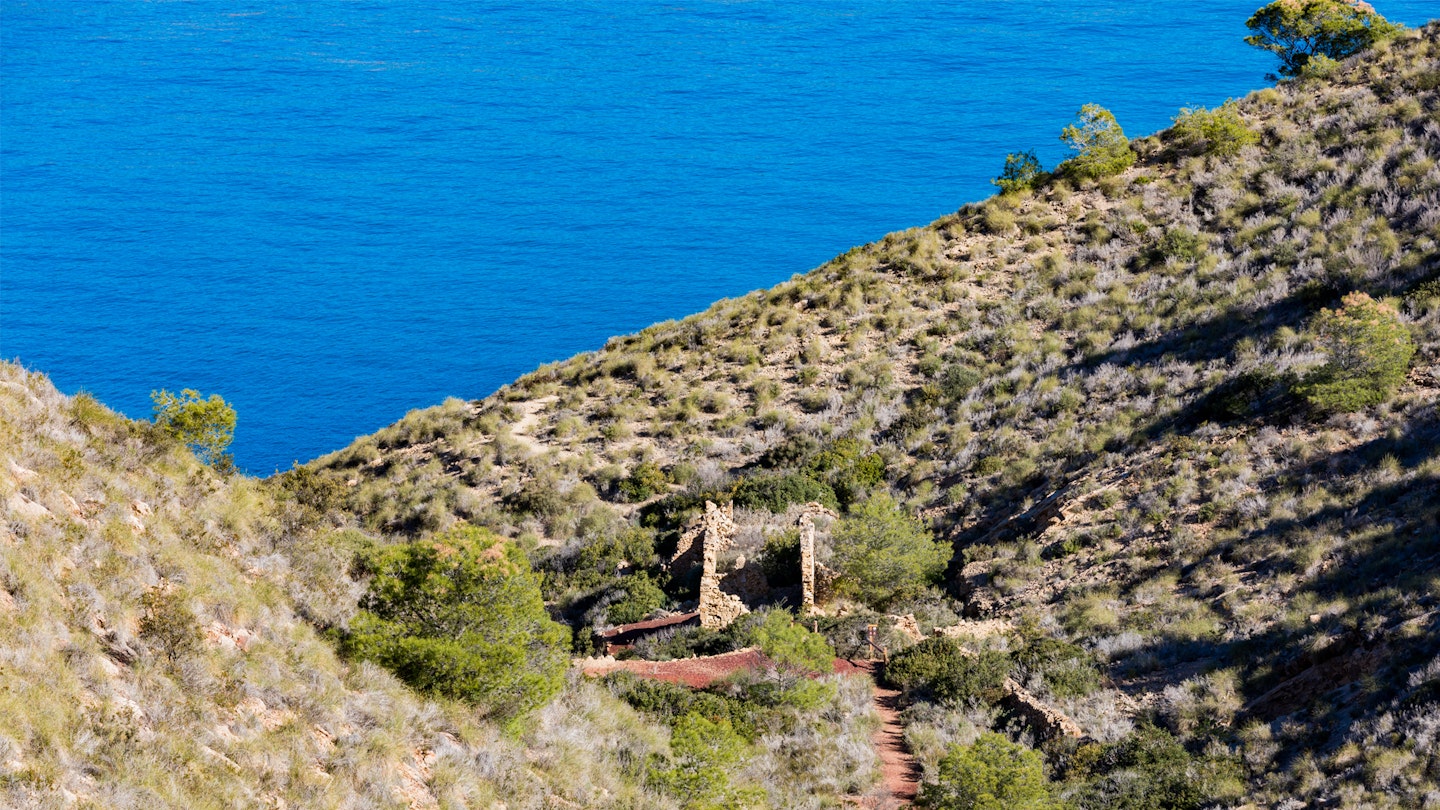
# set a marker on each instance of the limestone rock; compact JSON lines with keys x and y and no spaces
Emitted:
{"x":21,"y":506}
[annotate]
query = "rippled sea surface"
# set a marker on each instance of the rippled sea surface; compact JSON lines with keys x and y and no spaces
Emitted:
{"x":334,"y":211}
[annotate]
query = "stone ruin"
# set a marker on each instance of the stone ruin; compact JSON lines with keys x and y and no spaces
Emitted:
{"x":724,"y":594}
{"x":808,"y":565}
{"x":723,"y":597}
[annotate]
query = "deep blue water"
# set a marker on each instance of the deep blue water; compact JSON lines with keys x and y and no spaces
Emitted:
{"x":333,"y":211}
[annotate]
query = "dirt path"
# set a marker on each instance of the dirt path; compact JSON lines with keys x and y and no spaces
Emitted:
{"x":900,"y":770}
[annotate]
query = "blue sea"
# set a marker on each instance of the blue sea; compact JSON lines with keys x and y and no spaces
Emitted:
{"x":333,"y":211}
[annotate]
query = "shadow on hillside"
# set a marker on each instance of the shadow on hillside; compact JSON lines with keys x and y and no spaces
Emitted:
{"x":1335,"y":665}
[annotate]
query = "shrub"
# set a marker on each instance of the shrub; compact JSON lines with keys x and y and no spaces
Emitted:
{"x":642,"y":597}
{"x":169,"y":623}
{"x":460,"y":615}
{"x":206,"y":426}
{"x":1068,"y":670}
{"x":1181,"y":244}
{"x":958,"y":380}
{"x":703,"y":755}
{"x":598,"y":560}
{"x":990,"y":774}
{"x":793,"y":646}
{"x":881,"y":551}
{"x":780,"y":559}
{"x":941,"y":669}
{"x":1213,"y":132}
{"x":1370,"y":351}
{"x":1148,"y":769}
{"x":645,"y":480}
{"x":1101,"y":146}
{"x":669,"y":702}
{"x":777,"y":492}
{"x":1022,"y":171}
{"x":1299,"y":31}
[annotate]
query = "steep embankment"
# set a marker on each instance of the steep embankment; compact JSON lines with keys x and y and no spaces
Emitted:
{"x":150,"y":656}
{"x":1092,"y":391}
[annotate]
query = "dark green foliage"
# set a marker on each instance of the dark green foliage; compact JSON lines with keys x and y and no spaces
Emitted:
{"x":1213,"y":132}
{"x":206,"y":426}
{"x":991,"y":774}
{"x":882,"y":552}
{"x":958,"y":380}
{"x":777,"y":492}
{"x":1022,"y":171}
{"x":850,"y":470}
{"x":1255,"y":392}
{"x":780,"y":559}
{"x":846,"y":466}
{"x":169,"y":623}
{"x":1100,"y":145}
{"x":793,"y":646}
{"x":688,"y":642}
{"x":1068,"y":670}
{"x":1299,"y":31}
{"x":460,"y":616}
{"x":1151,"y":770}
{"x":642,"y":597}
{"x":1180,"y":244}
{"x":315,"y":492}
{"x":669,"y":702}
{"x":790,"y":452}
{"x":645,"y":480}
{"x":941,"y":669}
{"x":704,"y":753}
{"x":1370,"y":351}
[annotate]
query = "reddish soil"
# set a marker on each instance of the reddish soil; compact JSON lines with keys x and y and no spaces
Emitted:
{"x":692,"y":672}
{"x":899,"y":769}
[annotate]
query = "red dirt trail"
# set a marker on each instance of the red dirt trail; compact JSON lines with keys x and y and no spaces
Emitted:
{"x":899,"y":769}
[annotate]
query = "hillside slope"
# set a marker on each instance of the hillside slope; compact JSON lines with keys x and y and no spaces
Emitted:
{"x":1094,"y":392}
{"x":150,"y":657}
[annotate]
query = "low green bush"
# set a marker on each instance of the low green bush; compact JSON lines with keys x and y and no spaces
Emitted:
{"x":990,"y":774}
{"x":460,"y":616}
{"x":646,"y":480}
{"x":1370,"y":350}
{"x":881,"y":552}
{"x":939,"y":668}
{"x":1100,"y":144}
{"x":1068,"y":670}
{"x":777,"y":492}
{"x":1022,"y":171}
{"x":1220,"y":131}
{"x":642,"y":597}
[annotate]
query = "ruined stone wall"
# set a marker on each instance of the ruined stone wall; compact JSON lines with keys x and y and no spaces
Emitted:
{"x":808,"y":584}
{"x":715,"y":532}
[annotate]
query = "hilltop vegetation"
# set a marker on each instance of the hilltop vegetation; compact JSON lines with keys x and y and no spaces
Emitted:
{"x":1164,"y":424}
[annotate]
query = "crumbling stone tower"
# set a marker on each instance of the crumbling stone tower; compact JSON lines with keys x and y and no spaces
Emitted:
{"x":807,"y":553}
{"x":714,"y":532}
